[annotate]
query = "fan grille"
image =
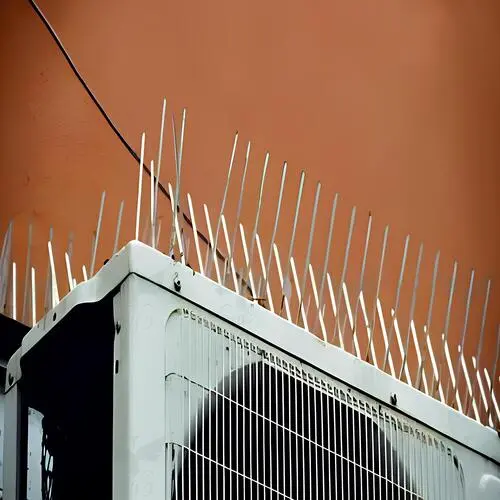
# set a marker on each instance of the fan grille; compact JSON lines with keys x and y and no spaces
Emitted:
{"x":254,"y":423}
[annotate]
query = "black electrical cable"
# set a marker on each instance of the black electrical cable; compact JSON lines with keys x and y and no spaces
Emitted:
{"x":113,"y":127}
{"x":87,"y":89}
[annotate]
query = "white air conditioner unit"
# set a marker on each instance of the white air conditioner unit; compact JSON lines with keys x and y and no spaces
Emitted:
{"x":155,"y":382}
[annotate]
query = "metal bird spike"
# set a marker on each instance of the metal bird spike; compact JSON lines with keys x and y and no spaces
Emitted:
{"x":493,"y":375}
{"x":238,"y":209}
{"x":33,"y":297}
{"x":152,"y":205}
{"x":68,"y":271}
{"x":229,"y":262}
{"x":211,"y":241}
{"x":5,"y":265}
{"x":412,"y":309}
{"x":178,"y":170}
{"x":456,"y":370}
{"x":173,"y":230}
{"x":396,"y":305}
{"x":97,"y":233}
{"x":326,"y":261}
{"x":48,"y":281}
{"x":176,"y":227}
{"x":362,"y":275}
{"x":429,"y":319}
{"x":342,"y":278}
{"x":286,"y":275}
{"x":139,"y":187}
{"x":5,"y":244}
{"x":3,"y":256}
{"x":158,"y":232}
{"x":482,"y":394}
{"x":26,"y":304}
{"x":309,"y":248}
{"x":71,"y":238}
{"x":480,"y":345}
{"x":54,"y":288}
{"x":118,"y":227}
{"x":158,"y":164}
{"x":257,"y":218}
{"x":208,"y":266}
{"x":195,"y":233}
{"x":14,"y":291}
{"x":377,"y":292}
{"x":275,"y":228}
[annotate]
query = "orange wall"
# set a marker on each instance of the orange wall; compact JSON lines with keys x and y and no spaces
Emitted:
{"x":396,"y":105}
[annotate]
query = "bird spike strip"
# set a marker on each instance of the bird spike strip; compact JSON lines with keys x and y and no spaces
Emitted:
{"x":334,"y":305}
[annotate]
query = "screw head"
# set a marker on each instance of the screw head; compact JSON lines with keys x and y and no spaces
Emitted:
{"x":394,"y":399}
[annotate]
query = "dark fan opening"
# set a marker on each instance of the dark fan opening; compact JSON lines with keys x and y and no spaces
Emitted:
{"x":265,"y":434}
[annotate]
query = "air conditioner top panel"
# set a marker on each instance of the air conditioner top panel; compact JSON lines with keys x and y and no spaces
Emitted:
{"x":139,"y":259}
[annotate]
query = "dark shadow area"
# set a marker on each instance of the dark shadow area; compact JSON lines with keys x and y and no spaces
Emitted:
{"x":12,"y":333}
{"x":68,"y":377}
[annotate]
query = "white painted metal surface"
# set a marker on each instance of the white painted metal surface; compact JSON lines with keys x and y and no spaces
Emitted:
{"x":146,"y":301}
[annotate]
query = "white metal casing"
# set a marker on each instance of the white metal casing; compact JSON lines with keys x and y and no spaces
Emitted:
{"x":147,"y":299}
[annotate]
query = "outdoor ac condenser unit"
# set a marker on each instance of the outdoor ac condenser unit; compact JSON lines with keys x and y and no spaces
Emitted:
{"x":156,"y":382}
